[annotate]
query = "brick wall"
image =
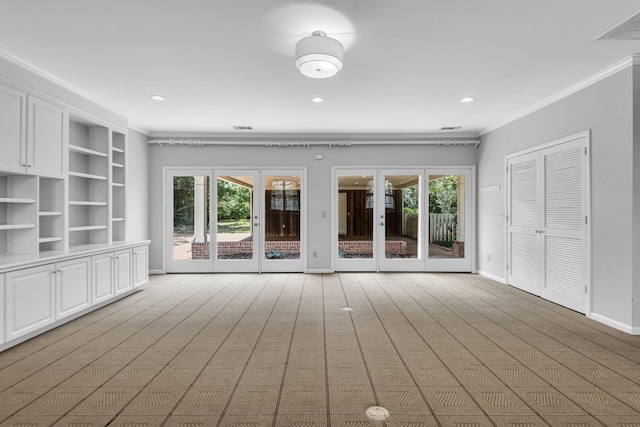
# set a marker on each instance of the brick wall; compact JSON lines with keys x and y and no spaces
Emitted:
{"x":201,"y":250}
{"x":355,"y":247}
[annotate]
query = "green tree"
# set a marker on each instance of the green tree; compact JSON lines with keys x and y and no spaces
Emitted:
{"x":234,"y":201}
{"x":410,"y":199}
{"x":443,"y":194}
{"x":183,"y":193}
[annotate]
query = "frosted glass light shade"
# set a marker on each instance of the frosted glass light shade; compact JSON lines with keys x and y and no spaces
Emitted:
{"x":319,"y":56}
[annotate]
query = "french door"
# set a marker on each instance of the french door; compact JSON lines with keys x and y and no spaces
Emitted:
{"x":187,"y":242}
{"x":235,"y":220}
{"x":548,"y":222}
{"x":403,"y":219}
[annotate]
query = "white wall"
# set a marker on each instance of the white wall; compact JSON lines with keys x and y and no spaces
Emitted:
{"x":318,"y":176}
{"x":636,"y":200}
{"x":606,"y":109}
{"x":137,"y":186}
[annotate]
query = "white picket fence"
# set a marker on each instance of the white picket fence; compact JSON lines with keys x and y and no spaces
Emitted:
{"x":442,"y":227}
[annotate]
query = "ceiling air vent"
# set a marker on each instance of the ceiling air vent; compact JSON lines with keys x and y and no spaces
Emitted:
{"x":451,"y":128}
{"x":243,"y":128}
{"x":628,"y":30}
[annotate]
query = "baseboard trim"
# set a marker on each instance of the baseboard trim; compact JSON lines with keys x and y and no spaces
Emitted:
{"x":492,"y":277}
{"x":157,"y":272}
{"x":319,"y":271}
{"x":614,"y":324}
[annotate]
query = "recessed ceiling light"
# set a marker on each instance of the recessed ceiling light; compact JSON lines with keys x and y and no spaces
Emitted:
{"x":317,"y":99}
{"x":468,"y":99}
{"x":158,"y":97}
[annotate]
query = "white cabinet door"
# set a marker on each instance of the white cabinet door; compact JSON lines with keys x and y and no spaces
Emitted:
{"x":46,"y":133}
{"x":72,"y":287}
{"x":29,"y":300}
{"x":13,"y":114}
{"x":123,"y":271}
{"x":102,"y":274}
{"x":140,"y":266}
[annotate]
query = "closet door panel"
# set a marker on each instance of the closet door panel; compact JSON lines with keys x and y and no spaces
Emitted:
{"x":524,"y":212}
{"x":564,"y":224}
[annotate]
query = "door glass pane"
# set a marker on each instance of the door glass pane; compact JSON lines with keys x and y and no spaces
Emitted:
{"x":356,"y":199}
{"x":402,"y":213}
{"x":234,"y":234}
{"x":446,"y":216}
{"x":191,"y":218}
{"x":282,"y":217}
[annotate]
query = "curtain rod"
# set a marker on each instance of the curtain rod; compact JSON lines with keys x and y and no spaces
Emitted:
{"x":189,"y":142}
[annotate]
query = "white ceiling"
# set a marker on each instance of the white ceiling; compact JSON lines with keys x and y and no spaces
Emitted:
{"x":407,"y":63}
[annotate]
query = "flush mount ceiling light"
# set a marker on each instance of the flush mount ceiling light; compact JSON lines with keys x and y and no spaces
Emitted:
{"x":468,"y":99}
{"x":158,"y":97}
{"x":319,"y":56}
{"x":317,"y":99}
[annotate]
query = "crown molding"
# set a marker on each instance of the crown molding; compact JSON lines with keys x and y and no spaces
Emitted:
{"x":16,"y":60}
{"x":134,"y":126}
{"x":607,"y":72}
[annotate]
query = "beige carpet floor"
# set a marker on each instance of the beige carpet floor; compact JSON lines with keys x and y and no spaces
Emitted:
{"x":249,"y":350}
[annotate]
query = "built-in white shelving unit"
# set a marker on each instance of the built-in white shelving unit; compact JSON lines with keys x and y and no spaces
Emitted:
{"x":63,"y":248}
{"x":18,"y":214}
{"x":51,"y":225}
{"x":118,"y":186}
{"x":89,"y":146}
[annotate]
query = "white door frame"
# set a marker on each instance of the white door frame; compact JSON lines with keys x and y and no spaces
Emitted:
{"x":168,"y":172}
{"x":400,"y":264}
{"x":356,"y":264}
{"x":181,"y":266}
{"x":251,"y":265}
{"x":284,"y":265}
{"x":467,"y":264}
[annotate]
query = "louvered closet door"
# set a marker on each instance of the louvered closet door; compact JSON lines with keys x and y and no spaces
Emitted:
{"x":524,"y":258}
{"x":563,"y":229}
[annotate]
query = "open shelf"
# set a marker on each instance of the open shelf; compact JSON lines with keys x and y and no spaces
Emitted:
{"x":89,"y":182}
{"x":88,"y":228}
{"x":118,"y":181}
{"x":18,"y":214}
{"x":86,"y":203}
{"x":50,"y":239}
{"x":87,"y":175}
{"x":49,"y":213}
{"x":16,"y":226}
{"x":15,"y":200}
{"x":87,"y":151}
